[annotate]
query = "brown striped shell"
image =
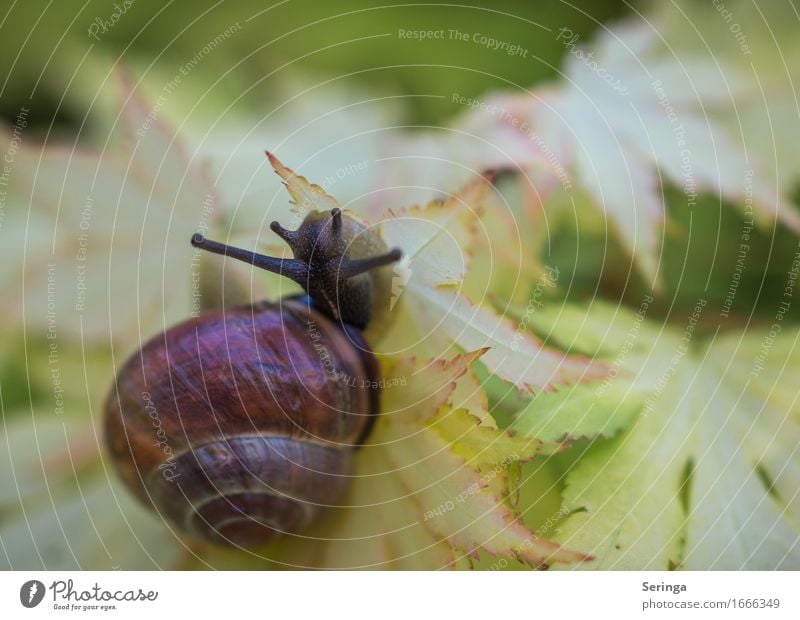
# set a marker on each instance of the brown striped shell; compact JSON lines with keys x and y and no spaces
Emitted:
{"x":239,"y":426}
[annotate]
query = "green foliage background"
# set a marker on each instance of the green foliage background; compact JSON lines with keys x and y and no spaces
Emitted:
{"x":600,"y":492}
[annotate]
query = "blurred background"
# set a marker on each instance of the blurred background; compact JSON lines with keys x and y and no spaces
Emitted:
{"x":129,"y":125}
{"x":50,"y":48}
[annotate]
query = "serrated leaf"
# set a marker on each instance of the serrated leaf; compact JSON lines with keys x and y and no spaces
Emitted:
{"x":306,"y":196}
{"x":431,"y":488}
{"x":515,"y":356}
{"x":436,"y":239}
{"x":457,"y":470}
{"x":578,"y":412}
{"x":433,"y":241}
{"x":705,"y":477}
{"x":484,"y":445}
{"x":505,"y":262}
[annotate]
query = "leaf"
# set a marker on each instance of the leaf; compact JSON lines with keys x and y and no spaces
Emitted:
{"x":630,"y":141}
{"x":305,"y":196}
{"x":457,"y":471}
{"x":748,"y":86}
{"x":515,"y":356}
{"x":641,"y":106}
{"x":432,"y":486}
{"x":486,"y":445}
{"x":59,"y":510}
{"x":436,"y":239}
{"x":504,"y":262}
{"x":432,"y":240}
{"x":424,"y":385}
{"x":578,"y":412}
{"x":97,"y":242}
{"x":706,"y":476}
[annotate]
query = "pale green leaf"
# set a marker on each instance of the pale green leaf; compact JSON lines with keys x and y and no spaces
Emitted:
{"x":96,"y":243}
{"x":432,"y":486}
{"x":61,"y":510}
{"x":705,"y":478}
{"x":578,"y":412}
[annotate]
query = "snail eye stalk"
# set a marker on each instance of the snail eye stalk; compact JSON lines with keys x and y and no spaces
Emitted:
{"x":292,"y":268}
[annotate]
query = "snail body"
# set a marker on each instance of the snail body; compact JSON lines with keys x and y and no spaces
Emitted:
{"x":240,"y":425}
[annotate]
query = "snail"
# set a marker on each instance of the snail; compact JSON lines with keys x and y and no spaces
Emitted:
{"x":239,"y":426}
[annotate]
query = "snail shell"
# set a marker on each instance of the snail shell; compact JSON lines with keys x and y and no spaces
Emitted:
{"x":241,"y":426}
